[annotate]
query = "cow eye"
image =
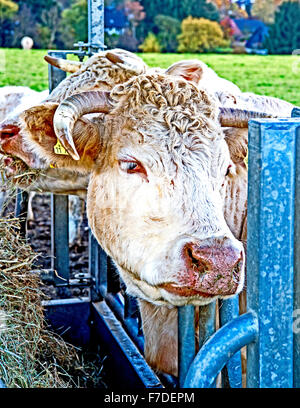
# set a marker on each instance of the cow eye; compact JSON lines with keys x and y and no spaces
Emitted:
{"x":132,"y":166}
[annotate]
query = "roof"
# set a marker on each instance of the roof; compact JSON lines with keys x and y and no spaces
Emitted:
{"x":228,"y":23}
{"x":114,"y":18}
{"x":258,"y":37}
{"x":249,"y":25}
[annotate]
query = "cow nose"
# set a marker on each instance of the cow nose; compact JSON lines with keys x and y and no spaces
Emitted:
{"x":7,"y":132}
{"x":214,"y":267}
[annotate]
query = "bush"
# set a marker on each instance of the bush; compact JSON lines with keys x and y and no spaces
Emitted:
{"x":200,"y":35}
{"x":150,"y":44}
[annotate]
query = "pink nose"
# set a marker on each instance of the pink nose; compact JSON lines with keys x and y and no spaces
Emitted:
{"x":214,"y":268}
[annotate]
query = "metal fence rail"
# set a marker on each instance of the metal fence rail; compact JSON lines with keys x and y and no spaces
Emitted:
{"x":272,"y":267}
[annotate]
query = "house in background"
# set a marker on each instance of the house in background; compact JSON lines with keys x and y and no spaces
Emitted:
{"x":254,"y":33}
{"x":115,"y":21}
{"x":255,"y":42}
{"x":248,"y":35}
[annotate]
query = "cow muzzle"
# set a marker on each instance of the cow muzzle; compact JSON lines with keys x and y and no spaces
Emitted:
{"x":11,"y":144}
{"x":212,"y":268}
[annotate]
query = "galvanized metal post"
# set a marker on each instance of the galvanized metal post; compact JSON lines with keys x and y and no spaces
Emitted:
{"x":59,"y":206}
{"x":186,"y":340}
{"x":96,"y":24}
{"x":97,"y":269}
{"x":296,"y":312}
{"x":270,"y":251}
{"x":21,"y":207}
{"x":296,"y":315}
{"x":232,"y":372}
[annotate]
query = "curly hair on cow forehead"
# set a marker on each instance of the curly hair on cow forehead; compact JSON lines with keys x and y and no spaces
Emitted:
{"x":172,"y":101}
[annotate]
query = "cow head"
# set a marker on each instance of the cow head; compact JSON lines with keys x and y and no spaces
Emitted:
{"x":102,"y":71}
{"x":158,"y":164}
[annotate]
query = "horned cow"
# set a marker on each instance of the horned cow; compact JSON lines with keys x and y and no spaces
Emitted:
{"x":158,"y":162}
{"x":162,"y":176}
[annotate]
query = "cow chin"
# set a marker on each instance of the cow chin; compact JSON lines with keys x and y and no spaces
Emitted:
{"x":169,"y":293}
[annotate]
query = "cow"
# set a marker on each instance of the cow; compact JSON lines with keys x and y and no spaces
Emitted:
{"x":154,"y":227}
{"x":14,"y":100}
{"x":159,"y":167}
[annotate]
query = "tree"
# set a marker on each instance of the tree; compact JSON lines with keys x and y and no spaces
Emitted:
{"x":24,"y":25}
{"x":265,"y":9}
{"x":200,"y":35}
{"x":74,"y":23}
{"x":227,"y":8}
{"x":178,"y":9}
{"x":48,"y":28}
{"x":169,"y":29}
{"x":135,"y":14}
{"x":284,"y":33}
{"x":8,"y":9}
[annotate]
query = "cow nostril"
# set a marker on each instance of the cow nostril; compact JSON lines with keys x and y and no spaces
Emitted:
{"x":8,"y":132}
{"x":236,"y":270}
{"x":5,"y":135}
{"x":197,"y":263}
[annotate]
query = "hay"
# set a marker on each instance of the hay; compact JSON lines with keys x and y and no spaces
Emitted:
{"x":22,"y":176}
{"x":30,"y":355}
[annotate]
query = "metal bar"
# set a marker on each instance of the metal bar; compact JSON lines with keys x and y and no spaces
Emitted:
{"x":113,"y":278}
{"x":97,"y":269}
{"x":60,"y":238}
{"x":295,"y":112}
{"x":130,"y":307}
{"x":124,"y":357}
{"x":207,"y":322}
{"x":130,"y":324}
{"x":270,"y":250}
{"x":296,"y":313}
{"x":186,"y":340}
{"x":59,"y":204}
{"x":21,"y":207}
{"x":232,"y":372}
{"x":216,"y":352}
{"x":95,"y":25}
{"x":55,"y":75}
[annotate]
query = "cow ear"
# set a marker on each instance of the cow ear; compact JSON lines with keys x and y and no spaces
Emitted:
{"x":191,"y":70}
{"x":41,"y":139}
{"x":237,"y":141}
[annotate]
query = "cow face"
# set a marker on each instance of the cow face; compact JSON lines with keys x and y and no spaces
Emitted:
{"x":158,"y":167}
{"x":102,"y":71}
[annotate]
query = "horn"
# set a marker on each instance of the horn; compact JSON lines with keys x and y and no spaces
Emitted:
{"x":114,"y":58}
{"x":65,"y":65}
{"x":239,"y":118}
{"x":71,"y":109}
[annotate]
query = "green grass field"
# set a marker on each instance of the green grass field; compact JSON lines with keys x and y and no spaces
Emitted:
{"x":266,"y":75}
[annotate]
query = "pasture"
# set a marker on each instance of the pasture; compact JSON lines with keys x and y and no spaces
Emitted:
{"x":273,"y":75}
